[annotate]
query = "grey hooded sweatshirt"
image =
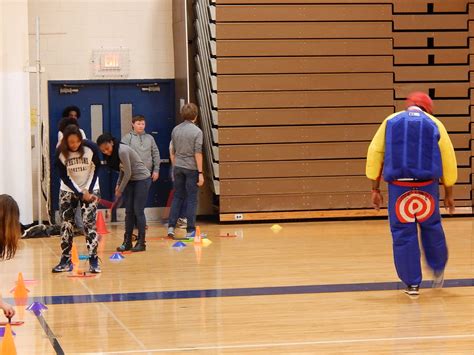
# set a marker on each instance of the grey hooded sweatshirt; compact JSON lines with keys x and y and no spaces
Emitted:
{"x":144,"y":144}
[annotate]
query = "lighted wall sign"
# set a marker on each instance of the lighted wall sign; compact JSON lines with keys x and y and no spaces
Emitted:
{"x":110,"y":63}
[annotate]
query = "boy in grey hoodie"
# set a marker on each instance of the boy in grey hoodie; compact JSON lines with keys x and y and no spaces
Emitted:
{"x":144,"y":144}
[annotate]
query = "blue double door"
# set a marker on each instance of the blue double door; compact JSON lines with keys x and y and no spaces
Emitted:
{"x":109,"y":107}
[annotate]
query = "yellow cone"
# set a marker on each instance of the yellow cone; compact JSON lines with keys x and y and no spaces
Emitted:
{"x":276,"y":228}
{"x":206,"y":242}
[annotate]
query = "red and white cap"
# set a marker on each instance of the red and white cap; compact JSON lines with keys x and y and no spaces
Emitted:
{"x":421,"y":100}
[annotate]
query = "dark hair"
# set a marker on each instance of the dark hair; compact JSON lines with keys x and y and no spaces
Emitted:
{"x":113,"y":161}
{"x":72,"y":108}
{"x":189,"y":112}
{"x":105,"y":138}
{"x":138,"y":118}
{"x":66,"y":121}
{"x":70,"y":130}
{"x":10,"y":230}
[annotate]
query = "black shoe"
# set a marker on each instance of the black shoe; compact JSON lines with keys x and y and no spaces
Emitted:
{"x":413,"y":290}
{"x":125,"y":247}
{"x":94,"y":267}
{"x":139,"y":247}
{"x":63,"y":266}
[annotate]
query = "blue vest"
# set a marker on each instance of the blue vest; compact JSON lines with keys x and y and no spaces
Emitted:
{"x":411,"y":147}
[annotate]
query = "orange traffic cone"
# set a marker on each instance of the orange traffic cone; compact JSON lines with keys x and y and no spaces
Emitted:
{"x":20,"y":295}
{"x":8,"y":345}
{"x":74,"y":259}
{"x":20,"y":290}
{"x":100,"y":224}
{"x":76,"y":272}
{"x":197,"y":237}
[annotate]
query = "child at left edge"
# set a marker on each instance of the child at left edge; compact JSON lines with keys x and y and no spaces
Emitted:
{"x":10,"y":232}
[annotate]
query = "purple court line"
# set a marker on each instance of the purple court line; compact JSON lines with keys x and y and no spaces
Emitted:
{"x":239,"y":292}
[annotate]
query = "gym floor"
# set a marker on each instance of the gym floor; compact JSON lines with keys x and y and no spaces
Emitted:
{"x":307,"y":287}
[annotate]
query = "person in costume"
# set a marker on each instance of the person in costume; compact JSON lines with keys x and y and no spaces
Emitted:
{"x":413,"y":153}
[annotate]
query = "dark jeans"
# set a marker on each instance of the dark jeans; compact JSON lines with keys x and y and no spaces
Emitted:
{"x":184,"y":207}
{"x":136,"y":195}
{"x":185,"y":183}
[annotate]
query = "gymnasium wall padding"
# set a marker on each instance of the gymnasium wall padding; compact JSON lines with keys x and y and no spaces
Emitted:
{"x":302,"y":87}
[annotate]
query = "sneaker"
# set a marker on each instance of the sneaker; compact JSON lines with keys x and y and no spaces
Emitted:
{"x":171,"y":232}
{"x":94,"y":265}
{"x":124,"y":247}
{"x":139,"y":247}
{"x":413,"y":290}
{"x":191,"y":235}
{"x":182,"y":223}
{"x":438,"y":279}
{"x":63,"y":266}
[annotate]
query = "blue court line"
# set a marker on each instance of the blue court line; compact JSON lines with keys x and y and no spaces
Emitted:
{"x":238,"y":292}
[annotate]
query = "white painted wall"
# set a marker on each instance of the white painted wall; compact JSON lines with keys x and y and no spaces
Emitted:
{"x":15,"y":133}
{"x":72,"y":29}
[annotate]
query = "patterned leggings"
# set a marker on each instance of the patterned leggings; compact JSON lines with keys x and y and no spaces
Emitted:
{"x":67,"y":206}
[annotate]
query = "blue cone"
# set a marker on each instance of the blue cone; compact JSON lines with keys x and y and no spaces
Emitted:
{"x":117,"y":257}
{"x":36,"y":308}
{"x":2,"y":332}
{"x":179,"y":245}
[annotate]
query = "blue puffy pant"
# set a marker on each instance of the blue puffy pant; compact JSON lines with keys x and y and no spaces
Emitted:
{"x":413,"y":204}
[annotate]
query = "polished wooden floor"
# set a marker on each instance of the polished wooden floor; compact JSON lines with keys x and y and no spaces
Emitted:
{"x":259,"y":259}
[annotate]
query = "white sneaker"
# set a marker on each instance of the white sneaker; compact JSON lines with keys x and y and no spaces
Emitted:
{"x":182,"y":223}
{"x":413,"y":290}
{"x":171,"y":232}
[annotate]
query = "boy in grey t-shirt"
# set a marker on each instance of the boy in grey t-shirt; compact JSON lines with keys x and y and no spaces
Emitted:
{"x":144,"y":144}
{"x":186,"y":157}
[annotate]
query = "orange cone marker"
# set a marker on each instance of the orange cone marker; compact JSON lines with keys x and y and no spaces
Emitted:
{"x":20,"y":290}
{"x":8,"y":345}
{"x":100,"y":224}
{"x":197,"y":237}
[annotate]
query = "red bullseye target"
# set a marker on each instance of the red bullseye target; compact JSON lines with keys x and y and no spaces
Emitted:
{"x":414,"y":206}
